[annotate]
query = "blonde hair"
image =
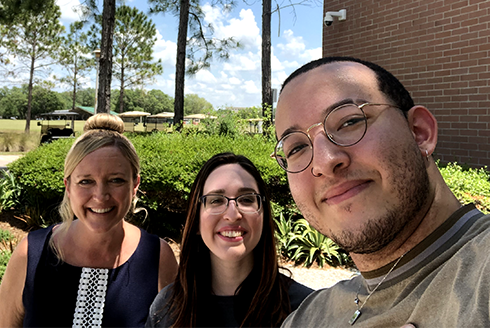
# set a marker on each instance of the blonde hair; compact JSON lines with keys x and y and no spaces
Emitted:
{"x":100,"y":130}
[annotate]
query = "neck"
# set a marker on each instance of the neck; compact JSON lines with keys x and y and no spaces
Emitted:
{"x":87,"y":249}
{"x":227,"y":276}
{"x":442,"y":204}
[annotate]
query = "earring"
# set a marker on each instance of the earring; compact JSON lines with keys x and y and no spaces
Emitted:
{"x":427,"y":155}
{"x":316,"y":176}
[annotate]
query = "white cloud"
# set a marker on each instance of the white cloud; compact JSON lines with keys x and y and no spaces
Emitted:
{"x":165,"y":50}
{"x":295,"y":46}
{"x":250,"y":87}
{"x":66,"y":7}
{"x":205,"y":76}
{"x":243,"y":29}
{"x":234,"y":81}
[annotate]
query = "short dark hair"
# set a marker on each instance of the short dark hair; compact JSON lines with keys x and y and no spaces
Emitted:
{"x":268,"y":301}
{"x":387,"y":82}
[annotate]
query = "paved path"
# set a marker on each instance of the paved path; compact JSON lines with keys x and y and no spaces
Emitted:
{"x":6,"y":159}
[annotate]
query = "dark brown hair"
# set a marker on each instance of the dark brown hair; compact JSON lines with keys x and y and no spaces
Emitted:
{"x":263,"y":291}
{"x":387,"y":82}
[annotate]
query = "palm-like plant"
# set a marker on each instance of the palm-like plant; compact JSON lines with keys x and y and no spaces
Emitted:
{"x":302,"y":243}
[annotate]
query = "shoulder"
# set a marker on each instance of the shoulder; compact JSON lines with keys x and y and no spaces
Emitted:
{"x":310,"y":312}
{"x":168,"y":265}
{"x":11,"y":289}
{"x":297,"y":292}
{"x":158,"y":309}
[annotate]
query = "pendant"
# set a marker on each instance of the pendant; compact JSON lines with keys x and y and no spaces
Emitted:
{"x":354,"y":318}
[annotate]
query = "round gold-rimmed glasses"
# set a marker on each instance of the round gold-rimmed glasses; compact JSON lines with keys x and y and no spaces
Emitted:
{"x":344,"y":126}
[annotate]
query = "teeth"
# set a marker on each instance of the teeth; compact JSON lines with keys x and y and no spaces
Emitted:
{"x":101,"y":210}
{"x":232,"y":234}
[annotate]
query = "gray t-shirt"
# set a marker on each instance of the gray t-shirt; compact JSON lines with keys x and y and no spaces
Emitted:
{"x":443,"y":282}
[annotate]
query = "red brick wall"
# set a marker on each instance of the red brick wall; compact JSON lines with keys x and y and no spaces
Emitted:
{"x":440,"y":51}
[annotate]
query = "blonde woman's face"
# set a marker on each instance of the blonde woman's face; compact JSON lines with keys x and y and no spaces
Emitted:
{"x":101,"y":189}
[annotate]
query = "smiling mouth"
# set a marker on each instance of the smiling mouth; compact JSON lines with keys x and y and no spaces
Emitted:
{"x":101,"y":210}
{"x":232,"y":234}
{"x":348,"y":193}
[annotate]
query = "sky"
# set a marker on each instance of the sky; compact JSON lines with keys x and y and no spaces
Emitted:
{"x":296,"y":40}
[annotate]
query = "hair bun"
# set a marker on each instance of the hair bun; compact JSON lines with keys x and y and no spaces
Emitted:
{"x":104,"y":121}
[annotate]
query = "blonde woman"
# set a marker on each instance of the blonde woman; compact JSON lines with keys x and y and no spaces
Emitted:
{"x":94,"y":269}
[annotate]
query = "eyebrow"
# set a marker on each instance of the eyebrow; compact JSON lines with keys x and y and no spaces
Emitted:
{"x":222,"y":191}
{"x":296,"y":127}
{"x":89,"y":175}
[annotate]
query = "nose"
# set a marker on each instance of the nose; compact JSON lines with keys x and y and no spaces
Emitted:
{"x":101,"y":192}
{"x":328,"y":158}
{"x":232,"y":213}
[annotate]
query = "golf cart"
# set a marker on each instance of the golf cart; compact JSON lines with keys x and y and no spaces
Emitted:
{"x":56,"y":125}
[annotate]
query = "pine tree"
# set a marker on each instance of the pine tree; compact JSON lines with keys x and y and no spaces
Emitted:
{"x":134,"y":37}
{"x":34,"y":38}
{"x":201,"y":44}
{"x":73,"y":56}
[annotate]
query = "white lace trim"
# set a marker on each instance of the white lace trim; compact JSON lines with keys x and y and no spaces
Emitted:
{"x":91,"y":298}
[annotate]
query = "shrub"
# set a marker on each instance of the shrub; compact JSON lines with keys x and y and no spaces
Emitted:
{"x":18,"y":142}
{"x":468,"y":184}
{"x":169,"y":164}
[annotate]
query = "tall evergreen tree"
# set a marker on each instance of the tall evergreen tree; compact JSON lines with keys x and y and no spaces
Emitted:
{"x":134,"y":37}
{"x":201,"y":44}
{"x":73,"y":56}
{"x":34,"y":39}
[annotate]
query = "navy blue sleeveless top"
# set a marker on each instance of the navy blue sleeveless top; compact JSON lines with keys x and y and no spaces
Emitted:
{"x":51,"y":286}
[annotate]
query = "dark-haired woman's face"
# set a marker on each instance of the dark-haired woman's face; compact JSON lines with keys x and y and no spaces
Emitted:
{"x":232,"y":235}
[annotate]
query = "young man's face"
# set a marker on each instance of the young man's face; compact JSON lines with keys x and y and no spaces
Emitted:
{"x":363,"y":195}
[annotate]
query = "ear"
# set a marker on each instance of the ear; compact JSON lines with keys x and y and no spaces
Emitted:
{"x":136,"y":185}
{"x":424,"y":129}
{"x":66,"y":182}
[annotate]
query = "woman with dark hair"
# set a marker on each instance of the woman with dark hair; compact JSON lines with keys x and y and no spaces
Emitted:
{"x":228,"y":273}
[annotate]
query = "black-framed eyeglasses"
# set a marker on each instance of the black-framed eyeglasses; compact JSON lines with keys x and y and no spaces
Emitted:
{"x":344,"y":126}
{"x":246,"y":203}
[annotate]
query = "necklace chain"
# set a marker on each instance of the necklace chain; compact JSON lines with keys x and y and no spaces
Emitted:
{"x":358,"y":312}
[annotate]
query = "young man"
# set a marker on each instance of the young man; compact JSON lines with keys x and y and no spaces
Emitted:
{"x":358,"y":155}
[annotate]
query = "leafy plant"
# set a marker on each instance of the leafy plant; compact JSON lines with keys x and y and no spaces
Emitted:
{"x":468,"y":185}
{"x":4,"y":259}
{"x":6,"y":248}
{"x":284,"y":234}
{"x":10,"y":191}
{"x":301,"y":243}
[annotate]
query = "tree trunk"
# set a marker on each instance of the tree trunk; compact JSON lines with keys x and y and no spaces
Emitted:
{"x":105,"y":60}
{"x":29,"y":94}
{"x":180,"y":65}
{"x":74,"y":96}
{"x":266,"y":57}
{"x":121,"y":91}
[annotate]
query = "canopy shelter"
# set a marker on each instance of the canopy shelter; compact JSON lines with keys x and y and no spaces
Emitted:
{"x":133,"y":114}
{"x":196,"y":118}
{"x":159,"y":122}
{"x":131,"y":119}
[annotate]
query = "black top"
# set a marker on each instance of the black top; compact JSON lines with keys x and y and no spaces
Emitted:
{"x":51,"y":286}
{"x":220,"y":311}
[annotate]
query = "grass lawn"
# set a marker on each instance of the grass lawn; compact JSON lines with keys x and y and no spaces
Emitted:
{"x":18,"y":126}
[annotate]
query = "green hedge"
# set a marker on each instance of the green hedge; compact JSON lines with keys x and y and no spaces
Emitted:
{"x":169,"y":164}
